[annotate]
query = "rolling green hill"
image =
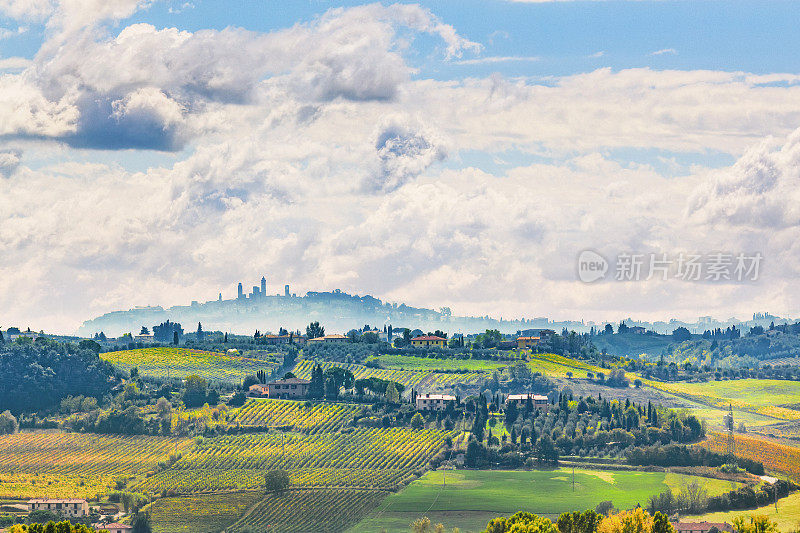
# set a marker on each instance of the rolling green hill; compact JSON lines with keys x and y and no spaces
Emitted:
{"x":469,"y":499}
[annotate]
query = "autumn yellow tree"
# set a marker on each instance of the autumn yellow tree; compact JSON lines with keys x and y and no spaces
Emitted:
{"x":635,"y":521}
{"x":521,"y":522}
{"x":754,"y":524}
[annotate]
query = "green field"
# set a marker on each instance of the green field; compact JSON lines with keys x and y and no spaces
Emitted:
{"x":787,"y":514}
{"x":714,"y":417}
{"x":549,"y":368}
{"x":773,"y":398}
{"x":758,"y":392}
{"x":469,"y":499}
{"x":558,"y":365}
{"x":171,"y":362}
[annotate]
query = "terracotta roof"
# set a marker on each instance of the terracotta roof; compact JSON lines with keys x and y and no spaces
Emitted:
{"x":428,"y":338}
{"x":435,"y":397}
{"x":117,"y":526}
{"x":338,"y":337}
{"x":296,"y":381}
{"x":701,"y":526}
{"x":528,"y":338}
{"x":57,"y":500}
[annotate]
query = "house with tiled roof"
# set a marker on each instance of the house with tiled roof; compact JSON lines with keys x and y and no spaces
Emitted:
{"x":702,"y":527}
{"x":429,"y":340}
{"x":68,"y":507}
{"x":433,"y":402}
{"x":329,"y":339}
{"x":116,"y":528}
{"x":288,"y":388}
{"x":524,"y":343}
{"x":538,"y":401}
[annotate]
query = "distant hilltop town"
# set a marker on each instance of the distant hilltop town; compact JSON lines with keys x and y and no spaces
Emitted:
{"x":257,"y":309}
{"x":340,"y":311}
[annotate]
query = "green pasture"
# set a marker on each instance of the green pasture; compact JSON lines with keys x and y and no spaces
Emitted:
{"x":756,"y":392}
{"x":786,"y":513}
{"x":469,"y":499}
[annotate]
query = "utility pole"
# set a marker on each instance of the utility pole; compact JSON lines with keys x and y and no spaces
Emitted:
{"x":729,"y":426}
{"x":775,"y":487}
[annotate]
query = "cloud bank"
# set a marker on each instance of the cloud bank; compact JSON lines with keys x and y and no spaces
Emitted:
{"x":319,"y":155}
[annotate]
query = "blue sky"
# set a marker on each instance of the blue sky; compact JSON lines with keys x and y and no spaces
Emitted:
{"x":758,"y":37}
{"x":442,"y":153}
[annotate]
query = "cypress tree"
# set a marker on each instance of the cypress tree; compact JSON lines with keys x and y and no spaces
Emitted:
{"x":317,"y":387}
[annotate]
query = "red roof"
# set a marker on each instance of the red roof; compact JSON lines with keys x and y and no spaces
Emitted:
{"x":428,"y":338}
{"x":286,"y":381}
{"x":701,"y":526}
{"x":57,"y":500}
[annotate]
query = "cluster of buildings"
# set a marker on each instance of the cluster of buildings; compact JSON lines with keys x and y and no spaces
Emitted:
{"x":258,"y":292}
{"x":438,"y":402}
{"x":701,"y":527}
{"x":73,"y":508}
{"x":297,"y":388}
{"x":68,"y":507}
{"x":284,"y":389}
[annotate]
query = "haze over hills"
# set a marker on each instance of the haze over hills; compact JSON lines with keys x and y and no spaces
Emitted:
{"x":336,"y":310}
{"x":339,"y":312}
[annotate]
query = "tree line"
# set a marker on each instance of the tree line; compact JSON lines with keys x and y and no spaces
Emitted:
{"x":37,"y":375}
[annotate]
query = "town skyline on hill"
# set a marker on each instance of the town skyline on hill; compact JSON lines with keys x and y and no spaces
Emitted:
{"x":263,"y":308}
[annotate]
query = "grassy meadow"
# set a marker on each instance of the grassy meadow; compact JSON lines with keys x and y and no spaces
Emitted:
{"x":558,"y":366}
{"x":469,"y":499}
{"x":786,"y":513}
{"x":777,"y":399}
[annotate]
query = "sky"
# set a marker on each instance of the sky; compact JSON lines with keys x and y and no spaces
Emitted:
{"x":461,"y":154}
